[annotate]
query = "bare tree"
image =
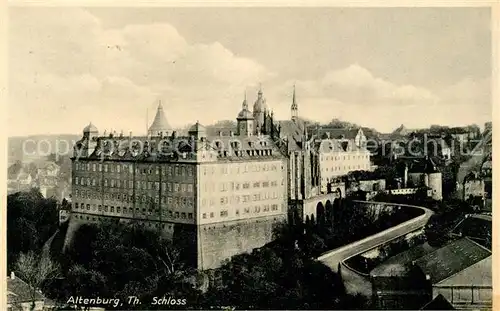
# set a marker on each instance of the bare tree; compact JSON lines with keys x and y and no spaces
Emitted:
{"x":35,"y":270}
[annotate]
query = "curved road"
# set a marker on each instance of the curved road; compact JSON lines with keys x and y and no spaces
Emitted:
{"x":336,"y":256}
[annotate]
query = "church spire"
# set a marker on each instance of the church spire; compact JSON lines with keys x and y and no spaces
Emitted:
{"x":245,"y":104}
{"x":294,"y":108}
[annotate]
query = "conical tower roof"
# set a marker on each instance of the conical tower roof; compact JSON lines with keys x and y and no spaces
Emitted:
{"x":160,"y":123}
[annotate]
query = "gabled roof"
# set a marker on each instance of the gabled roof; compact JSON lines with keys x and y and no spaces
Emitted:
{"x":19,"y":291}
{"x":438,"y":303}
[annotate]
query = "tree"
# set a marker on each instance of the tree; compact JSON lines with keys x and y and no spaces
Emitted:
{"x":35,"y":270}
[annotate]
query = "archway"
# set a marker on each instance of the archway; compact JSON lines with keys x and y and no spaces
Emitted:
{"x":329,"y":211}
{"x":320,"y":214}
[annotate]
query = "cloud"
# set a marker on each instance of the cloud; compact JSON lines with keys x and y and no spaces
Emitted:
{"x":65,"y":61}
{"x":355,"y":94}
{"x":67,"y":69}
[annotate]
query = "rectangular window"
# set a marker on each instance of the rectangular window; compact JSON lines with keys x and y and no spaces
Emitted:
{"x":190,"y":171}
{"x":183,"y":215}
{"x":223,"y":213}
{"x":204,"y":216}
{"x":112,"y":209}
{"x":176,"y":214}
{"x":190,"y":188}
{"x":183,"y":187}
{"x":118,"y":209}
{"x":212,"y":215}
{"x":157,"y":169}
{"x":105,"y":208}
{"x":105,"y":167}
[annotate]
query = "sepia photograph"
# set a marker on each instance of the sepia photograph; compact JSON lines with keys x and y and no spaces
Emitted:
{"x":249,"y":157}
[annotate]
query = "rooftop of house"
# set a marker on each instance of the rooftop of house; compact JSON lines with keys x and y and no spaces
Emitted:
{"x":451,"y":259}
{"x":144,"y":148}
{"x":19,"y":291}
{"x":477,"y":274}
{"x":334,"y":133}
{"x":438,"y":303}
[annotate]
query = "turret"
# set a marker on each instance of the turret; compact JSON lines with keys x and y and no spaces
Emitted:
{"x":245,"y":120}
{"x":259,"y":109}
{"x":160,"y":125}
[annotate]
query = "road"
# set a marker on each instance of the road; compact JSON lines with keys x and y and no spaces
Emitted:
{"x":336,"y":256}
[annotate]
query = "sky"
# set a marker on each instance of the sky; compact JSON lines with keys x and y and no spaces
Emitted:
{"x":377,"y":67}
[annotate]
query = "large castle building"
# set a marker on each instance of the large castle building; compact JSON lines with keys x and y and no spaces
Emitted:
{"x":223,"y":193}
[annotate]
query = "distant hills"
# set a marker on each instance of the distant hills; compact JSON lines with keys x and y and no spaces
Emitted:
{"x":33,"y":147}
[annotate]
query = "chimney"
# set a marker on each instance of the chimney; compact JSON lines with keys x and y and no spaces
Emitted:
{"x":130,"y":134}
{"x":12,"y":275}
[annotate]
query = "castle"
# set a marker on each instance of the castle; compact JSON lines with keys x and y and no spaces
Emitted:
{"x":221,"y":194}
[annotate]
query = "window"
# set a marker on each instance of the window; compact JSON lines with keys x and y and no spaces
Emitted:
{"x":112,"y":210}
{"x":183,"y":215}
{"x":190,"y":188}
{"x":99,"y":208}
{"x":93,"y":181}
{"x":118,"y":168}
{"x":212,"y":215}
{"x":223,"y":213}
{"x":157,"y":170}
{"x":176,"y":214}
{"x":105,"y":167}
{"x":118,"y":209}
{"x":76,"y":180}
{"x":190,"y":215}
{"x":105,"y":182}
{"x":105,"y":208}
{"x":204,"y":216}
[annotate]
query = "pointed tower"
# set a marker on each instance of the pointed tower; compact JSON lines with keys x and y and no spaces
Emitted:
{"x":294,"y":108}
{"x":160,"y":125}
{"x":259,"y":109}
{"x":245,"y":120}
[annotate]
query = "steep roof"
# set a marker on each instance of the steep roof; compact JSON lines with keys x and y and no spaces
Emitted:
{"x":160,"y":122}
{"x":19,"y":291}
{"x":294,"y":132}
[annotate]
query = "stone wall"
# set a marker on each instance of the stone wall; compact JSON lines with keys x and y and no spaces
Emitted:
{"x":218,"y":242}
